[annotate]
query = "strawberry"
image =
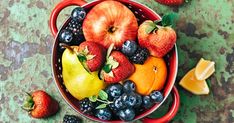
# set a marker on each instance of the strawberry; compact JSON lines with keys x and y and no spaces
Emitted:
{"x":93,"y":54}
{"x":172,"y":2}
{"x":117,"y":68}
{"x":40,"y":104}
{"x":158,"y":39}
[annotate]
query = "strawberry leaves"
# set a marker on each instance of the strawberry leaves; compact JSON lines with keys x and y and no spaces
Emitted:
{"x":102,"y":97}
{"x":28,"y":103}
{"x":111,"y":63}
{"x":167,"y":20}
{"x":84,"y":56}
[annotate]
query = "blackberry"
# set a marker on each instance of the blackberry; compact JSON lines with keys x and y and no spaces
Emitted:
{"x":140,"y":55}
{"x":71,"y":119}
{"x":75,"y":27}
{"x":86,"y":106}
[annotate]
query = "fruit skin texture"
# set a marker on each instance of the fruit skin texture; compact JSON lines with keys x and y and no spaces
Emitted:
{"x":149,"y":76}
{"x":77,"y":80}
{"x":97,"y":51}
{"x":158,"y":42}
{"x":44,"y":105}
{"x":110,"y":22}
{"x":193,"y":85}
{"x":171,"y":2}
{"x":123,"y":71}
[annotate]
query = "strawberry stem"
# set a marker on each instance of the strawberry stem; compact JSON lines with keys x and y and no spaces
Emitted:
{"x":28,"y":104}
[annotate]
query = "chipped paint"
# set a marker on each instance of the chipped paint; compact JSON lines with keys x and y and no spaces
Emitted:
{"x":205,"y":29}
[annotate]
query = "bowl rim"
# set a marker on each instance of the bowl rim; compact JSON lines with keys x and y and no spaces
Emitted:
{"x":62,"y":93}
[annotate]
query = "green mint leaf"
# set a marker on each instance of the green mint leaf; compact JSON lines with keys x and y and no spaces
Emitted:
{"x":101,"y":106}
{"x":103,"y":95}
{"x":170,"y":19}
{"x":93,"y":98}
{"x":151,"y":27}
{"x":107,"y":68}
{"x":111,"y":47}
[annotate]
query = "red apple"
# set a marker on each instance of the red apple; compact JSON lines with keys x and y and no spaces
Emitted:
{"x":110,"y":22}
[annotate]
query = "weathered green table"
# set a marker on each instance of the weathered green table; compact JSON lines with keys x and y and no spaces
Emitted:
{"x":205,"y":29}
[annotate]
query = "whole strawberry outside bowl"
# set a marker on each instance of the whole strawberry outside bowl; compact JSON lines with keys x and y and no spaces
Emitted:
{"x":142,"y":13}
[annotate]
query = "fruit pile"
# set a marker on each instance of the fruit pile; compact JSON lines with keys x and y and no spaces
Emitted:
{"x":117,"y":71}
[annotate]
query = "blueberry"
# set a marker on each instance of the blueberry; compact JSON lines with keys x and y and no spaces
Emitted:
{"x":127,"y":114}
{"x":118,"y":103}
{"x":156,"y":96}
{"x":113,"y":108}
{"x":114,"y":90}
{"x":129,"y":99}
{"x":138,"y":101}
{"x":147,"y":102}
{"x":129,"y":86}
{"x":104,"y":114}
{"x":78,"y":14}
{"x":129,"y":47}
{"x":66,"y":36}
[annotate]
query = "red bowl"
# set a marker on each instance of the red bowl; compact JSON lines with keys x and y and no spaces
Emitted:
{"x":142,"y":13}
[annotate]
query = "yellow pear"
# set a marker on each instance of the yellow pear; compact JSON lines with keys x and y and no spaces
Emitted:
{"x":78,"y":81}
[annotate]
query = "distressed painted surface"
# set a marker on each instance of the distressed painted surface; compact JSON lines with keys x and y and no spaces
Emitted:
{"x":205,"y":29}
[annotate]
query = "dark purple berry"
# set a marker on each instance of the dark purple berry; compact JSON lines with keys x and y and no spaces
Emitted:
{"x":127,"y":114}
{"x":129,"y":86}
{"x":78,"y":14}
{"x":129,"y":47}
{"x":156,"y":96}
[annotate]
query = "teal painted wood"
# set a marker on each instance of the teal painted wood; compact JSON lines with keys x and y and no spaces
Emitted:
{"x":205,"y":29}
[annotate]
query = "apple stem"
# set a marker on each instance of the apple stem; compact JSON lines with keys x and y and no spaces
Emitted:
{"x":66,"y":46}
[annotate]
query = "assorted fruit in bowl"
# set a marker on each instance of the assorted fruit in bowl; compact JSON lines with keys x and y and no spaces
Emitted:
{"x":114,"y":67}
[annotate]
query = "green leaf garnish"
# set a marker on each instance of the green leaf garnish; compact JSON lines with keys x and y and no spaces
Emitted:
{"x":101,"y":106}
{"x":107,"y":68}
{"x":170,"y":19}
{"x":103,"y":95}
{"x":93,"y":98}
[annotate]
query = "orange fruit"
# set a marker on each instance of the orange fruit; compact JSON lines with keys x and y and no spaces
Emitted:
{"x":149,"y":76}
{"x":204,"y":69}
{"x":193,"y":85}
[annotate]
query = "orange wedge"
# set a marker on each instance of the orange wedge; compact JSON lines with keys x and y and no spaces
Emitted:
{"x":193,"y":85}
{"x":204,"y":69}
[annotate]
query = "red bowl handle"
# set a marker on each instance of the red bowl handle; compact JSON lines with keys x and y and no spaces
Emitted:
{"x":58,"y":8}
{"x":171,"y":113}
